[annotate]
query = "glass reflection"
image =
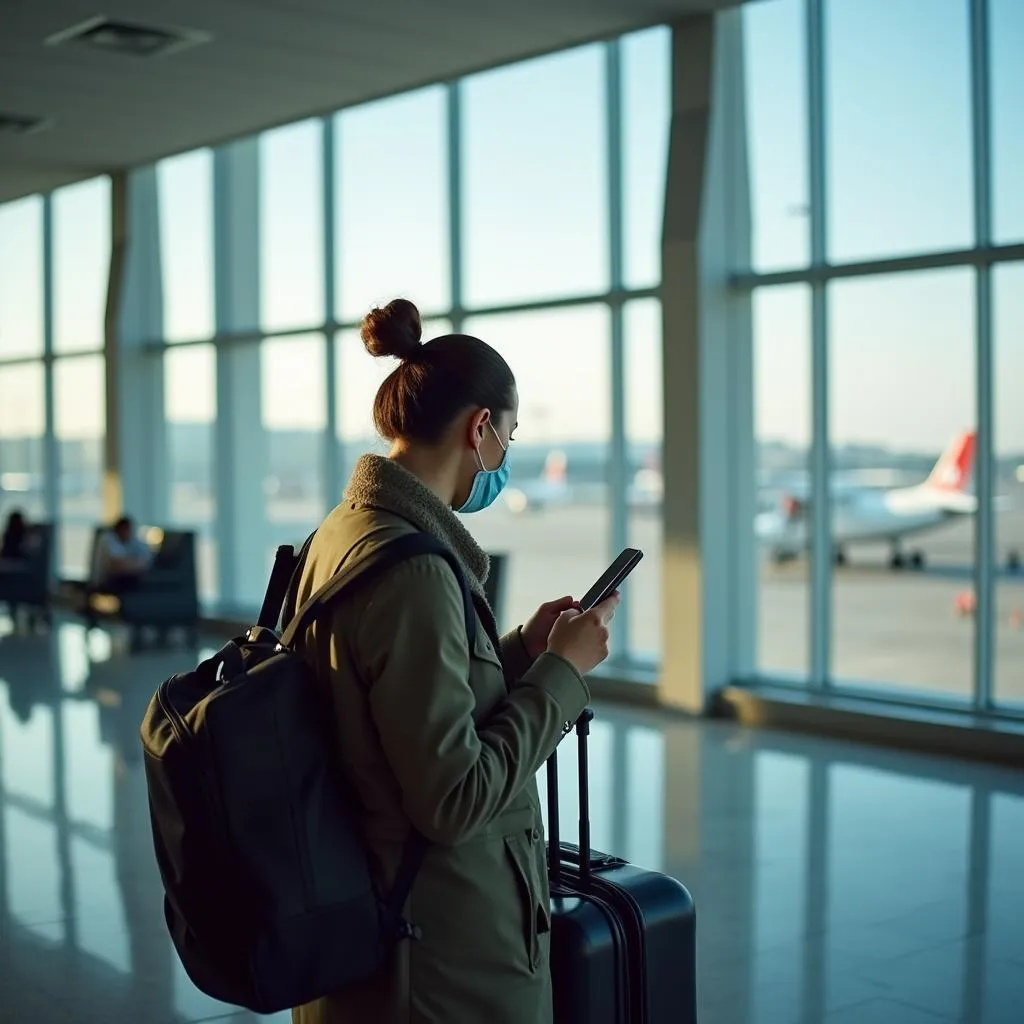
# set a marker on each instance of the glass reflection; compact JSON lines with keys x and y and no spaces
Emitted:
{"x":826,"y":875}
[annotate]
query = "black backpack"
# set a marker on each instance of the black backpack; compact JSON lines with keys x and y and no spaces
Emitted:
{"x":268,"y":894}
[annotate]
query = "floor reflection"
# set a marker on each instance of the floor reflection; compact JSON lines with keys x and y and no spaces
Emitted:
{"x":834,"y":883}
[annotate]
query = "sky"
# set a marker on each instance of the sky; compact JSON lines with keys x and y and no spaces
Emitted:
{"x":535,"y":209}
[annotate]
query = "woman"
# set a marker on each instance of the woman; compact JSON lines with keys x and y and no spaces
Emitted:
{"x":434,"y":735}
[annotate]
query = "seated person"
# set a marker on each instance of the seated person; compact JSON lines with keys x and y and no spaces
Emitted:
{"x":122,"y":557}
{"x":12,"y":545}
{"x":13,"y":553}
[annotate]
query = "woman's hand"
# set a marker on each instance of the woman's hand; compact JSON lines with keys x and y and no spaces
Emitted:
{"x":537,"y":630}
{"x":582,"y":639}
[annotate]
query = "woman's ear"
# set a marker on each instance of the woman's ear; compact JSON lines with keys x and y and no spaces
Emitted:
{"x":477,"y":426}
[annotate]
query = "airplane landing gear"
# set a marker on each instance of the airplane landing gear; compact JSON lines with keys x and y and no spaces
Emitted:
{"x":900,"y":561}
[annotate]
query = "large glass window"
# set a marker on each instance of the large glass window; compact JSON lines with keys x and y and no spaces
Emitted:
{"x":1008,"y":358}
{"x":1006,"y":32}
{"x":392,"y":203}
{"x":646,"y":113}
{"x":291,"y":227}
{"x":902,"y":401}
{"x":898,"y":129}
{"x":644,"y":433}
{"x":535,"y":209}
{"x":190,"y":410}
{"x":358,"y":378}
{"x":81,"y":265}
{"x":21,"y":278}
{"x":782,"y":438}
{"x":79,"y":424}
{"x":294,"y":416}
{"x":552,"y":520}
{"x":776,"y":109}
{"x":185,"y":186}
{"x":22,"y":430}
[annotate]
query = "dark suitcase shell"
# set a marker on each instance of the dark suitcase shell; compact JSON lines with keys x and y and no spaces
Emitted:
{"x":623,"y":940}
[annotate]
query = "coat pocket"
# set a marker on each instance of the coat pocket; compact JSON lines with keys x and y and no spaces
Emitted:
{"x":483,"y":649}
{"x":536,"y":915}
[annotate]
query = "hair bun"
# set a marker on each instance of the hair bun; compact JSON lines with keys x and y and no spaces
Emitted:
{"x":394,"y":330}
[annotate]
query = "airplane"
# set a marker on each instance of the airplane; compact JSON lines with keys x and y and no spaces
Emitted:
{"x":549,"y":489}
{"x":552,"y":488}
{"x":647,"y":489}
{"x":870,"y":515}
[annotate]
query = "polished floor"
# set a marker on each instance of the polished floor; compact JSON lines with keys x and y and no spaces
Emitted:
{"x":834,"y":883}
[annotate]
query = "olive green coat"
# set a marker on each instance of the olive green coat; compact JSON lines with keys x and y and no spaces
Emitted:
{"x":449,"y":740}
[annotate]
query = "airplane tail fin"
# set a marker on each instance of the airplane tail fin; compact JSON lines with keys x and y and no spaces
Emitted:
{"x":955,"y":468}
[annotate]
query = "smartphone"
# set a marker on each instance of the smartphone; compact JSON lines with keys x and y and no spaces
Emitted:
{"x":612,"y":578}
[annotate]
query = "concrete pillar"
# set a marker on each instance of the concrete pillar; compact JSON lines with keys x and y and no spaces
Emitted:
{"x":709,"y":583}
{"x":135,"y":480}
{"x":241,"y":445}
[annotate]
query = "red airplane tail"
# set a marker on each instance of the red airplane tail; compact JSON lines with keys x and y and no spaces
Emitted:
{"x":954,"y":469}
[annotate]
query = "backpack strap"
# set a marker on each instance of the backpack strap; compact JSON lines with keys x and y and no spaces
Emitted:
{"x":373,"y":566}
{"x":363,"y":571}
{"x":288,"y":603}
{"x":285,"y":564}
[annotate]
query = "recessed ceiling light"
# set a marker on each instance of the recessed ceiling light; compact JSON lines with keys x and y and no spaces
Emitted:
{"x":130,"y":38}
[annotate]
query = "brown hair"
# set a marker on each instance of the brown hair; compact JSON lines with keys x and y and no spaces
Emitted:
{"x":436,"y":381}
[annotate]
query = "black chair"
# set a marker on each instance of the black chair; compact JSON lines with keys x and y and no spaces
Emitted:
{"x":164,"y":597}
{"x":28,"y":582}
{"x":494,"y":588}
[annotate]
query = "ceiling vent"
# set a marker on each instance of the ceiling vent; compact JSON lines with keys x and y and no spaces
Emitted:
{"x":18,"y":124}
{"x":132,"y":39}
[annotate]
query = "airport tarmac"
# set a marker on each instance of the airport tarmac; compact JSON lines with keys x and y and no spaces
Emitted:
{"x":890,"y":628}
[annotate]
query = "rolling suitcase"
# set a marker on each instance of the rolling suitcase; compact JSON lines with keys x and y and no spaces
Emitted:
{"x":623,"y":940}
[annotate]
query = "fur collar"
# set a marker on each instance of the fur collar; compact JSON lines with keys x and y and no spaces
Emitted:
{"x":383,"y":483}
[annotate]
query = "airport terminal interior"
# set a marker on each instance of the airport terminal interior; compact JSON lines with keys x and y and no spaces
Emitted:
{"x":759,"y":272}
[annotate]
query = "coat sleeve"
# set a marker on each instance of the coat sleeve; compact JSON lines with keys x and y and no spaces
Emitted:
{"x":514,"y":656}
{"x":455,"y":775}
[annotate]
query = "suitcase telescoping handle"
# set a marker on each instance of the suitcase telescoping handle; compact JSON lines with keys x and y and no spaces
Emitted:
{"x":554,"y":854}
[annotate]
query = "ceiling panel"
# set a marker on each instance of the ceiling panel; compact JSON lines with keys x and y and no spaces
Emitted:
{"x":269,"y":62}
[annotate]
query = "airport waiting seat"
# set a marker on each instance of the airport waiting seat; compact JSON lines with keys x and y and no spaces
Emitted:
{"x":28,"y":582}
{"x":165,"y":597}
{"x":494,"y":588}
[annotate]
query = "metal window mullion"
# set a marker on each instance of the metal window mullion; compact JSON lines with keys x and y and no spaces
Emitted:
{"x":454,"y":93}
{"x":333,"y":451}
{"x":984,"y":619}
{"x":618,"y":454}
{"x":976,"y":256}
{"x":51,"y":449}
{"x":821,"y":517}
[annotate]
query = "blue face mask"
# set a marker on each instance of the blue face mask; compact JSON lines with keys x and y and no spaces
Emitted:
{"x":488,"y":483}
